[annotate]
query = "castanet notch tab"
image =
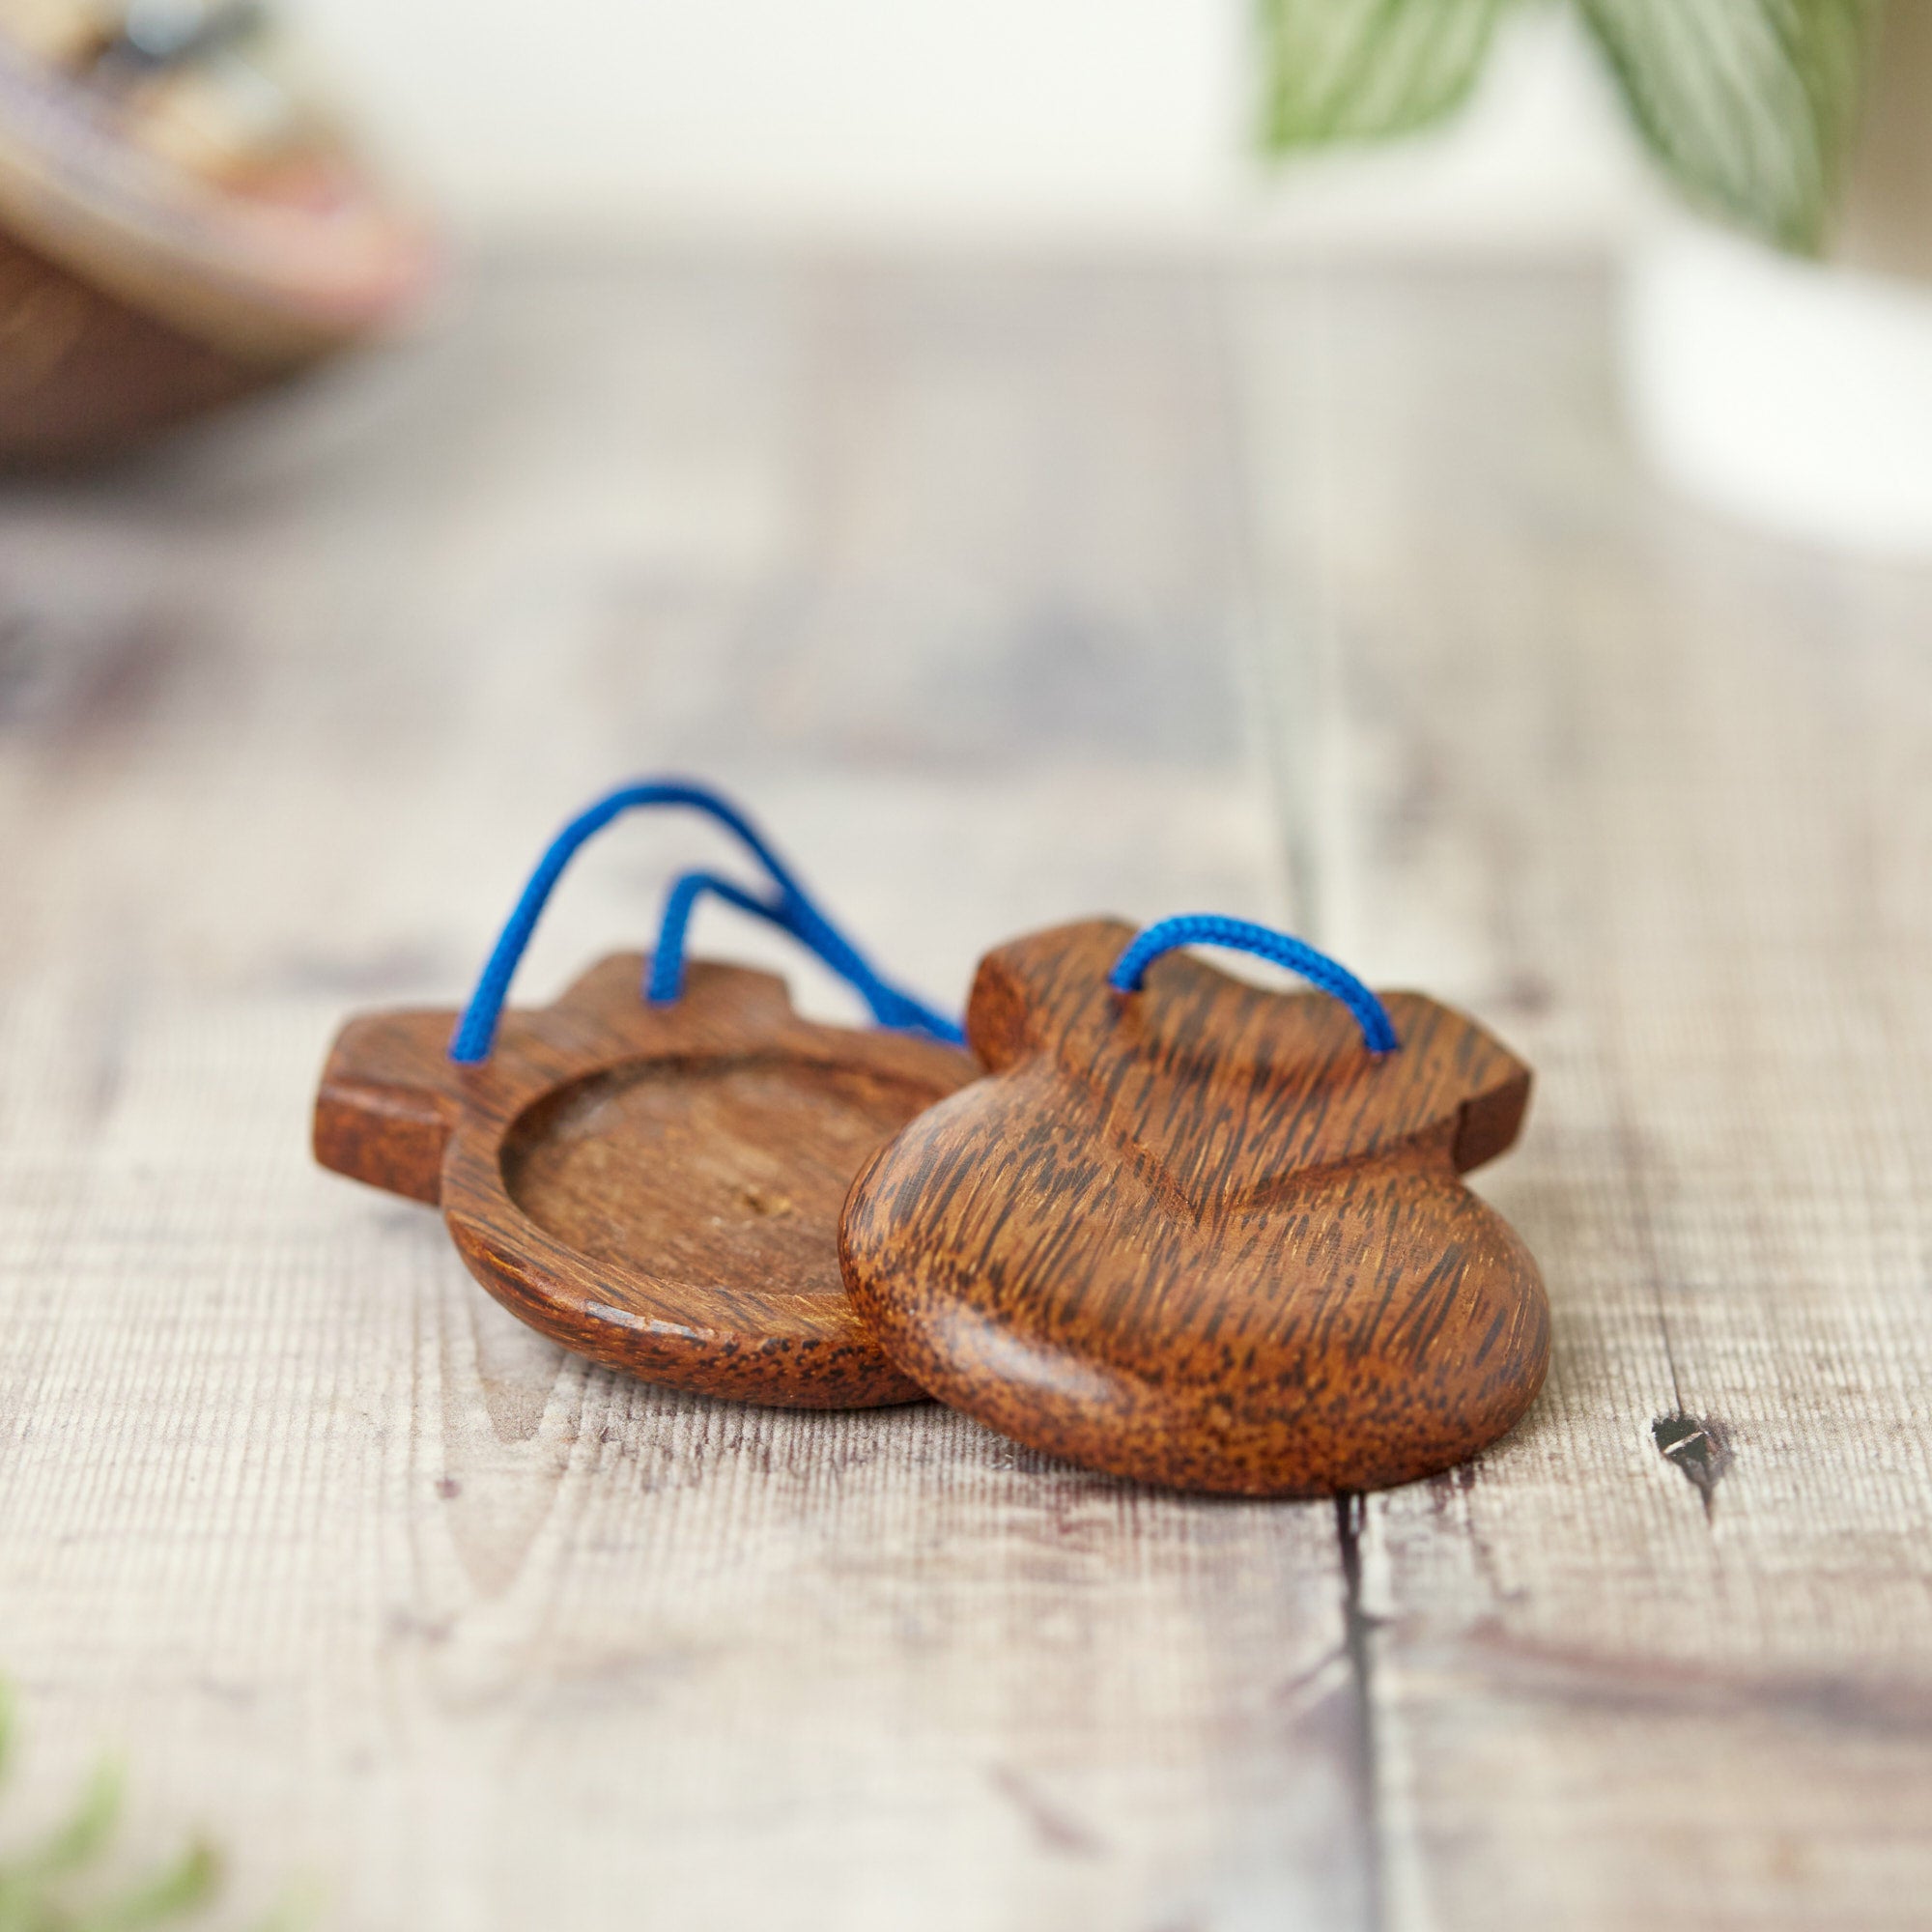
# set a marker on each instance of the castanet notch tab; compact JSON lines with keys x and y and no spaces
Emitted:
{"x":655,"y":1185}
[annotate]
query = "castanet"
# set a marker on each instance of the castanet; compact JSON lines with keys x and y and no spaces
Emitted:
{"x":1199,"y":1233}
{"x":655,"y":1185}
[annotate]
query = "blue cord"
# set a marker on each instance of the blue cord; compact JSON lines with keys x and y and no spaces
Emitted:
{"x":1207,"y":928}
{"x":889,"y":1006}
{"x":664,"y":983}
{"x":792,"y":908}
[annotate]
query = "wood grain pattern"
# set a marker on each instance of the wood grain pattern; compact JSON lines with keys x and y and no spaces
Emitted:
{"x":1654,"y":792}
{"x":657,"y":1188}
{"x":972,"y":575}
{"x":1200,"y":1235}
{"x":365,"y":1577}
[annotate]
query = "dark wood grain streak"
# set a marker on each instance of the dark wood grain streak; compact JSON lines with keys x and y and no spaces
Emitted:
{"x":655,"y":1187}
{"x":1200,"y":1237}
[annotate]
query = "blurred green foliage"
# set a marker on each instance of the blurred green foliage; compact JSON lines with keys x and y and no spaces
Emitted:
{"x":63,"y":1882}
{"x":1748,"y":105}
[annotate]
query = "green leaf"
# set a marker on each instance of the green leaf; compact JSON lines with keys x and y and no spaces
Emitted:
{"x":1358,"y":70}
{"x":86,"y":1834}
{"x":182,"y":1887}
{"x":36,"y":1886}
{"x":1748,"y":105}
{"x":70,"y":1847}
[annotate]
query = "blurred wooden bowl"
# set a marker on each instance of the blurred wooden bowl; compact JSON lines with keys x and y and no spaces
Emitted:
{"x":178,"y":225}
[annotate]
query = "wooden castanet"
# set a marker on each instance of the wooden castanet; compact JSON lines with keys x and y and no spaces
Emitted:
{"x":1198,"y":1234}
{"x":656,"y":1186}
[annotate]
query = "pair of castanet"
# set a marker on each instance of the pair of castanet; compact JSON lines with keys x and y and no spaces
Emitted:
{"x":1188,"y":1231}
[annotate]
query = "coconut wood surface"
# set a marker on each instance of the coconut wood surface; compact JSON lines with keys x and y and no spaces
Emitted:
{"x":654,"y":1186}
{"x":1004,"y":589}
{"x":1200,"y":1235}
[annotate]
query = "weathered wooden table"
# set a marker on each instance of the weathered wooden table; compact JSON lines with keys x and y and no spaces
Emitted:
{"x":1006,"y":594}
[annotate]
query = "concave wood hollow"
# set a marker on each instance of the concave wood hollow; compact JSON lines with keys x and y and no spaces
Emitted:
{"x":1199,"y":1236}
{"x":656,"y":1186}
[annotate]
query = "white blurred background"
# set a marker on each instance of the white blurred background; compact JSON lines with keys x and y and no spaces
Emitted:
{"x":903,"y":121}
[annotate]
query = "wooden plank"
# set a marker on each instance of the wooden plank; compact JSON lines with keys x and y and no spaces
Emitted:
{"x":939,"y":567}
{"x":1650,"y":796}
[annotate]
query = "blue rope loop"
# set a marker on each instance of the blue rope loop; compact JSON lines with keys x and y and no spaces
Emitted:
{"x":663,"y":980}
{"x":1242,"y":936}
{"x":791,"y":908}
{"x":890,"y":1005}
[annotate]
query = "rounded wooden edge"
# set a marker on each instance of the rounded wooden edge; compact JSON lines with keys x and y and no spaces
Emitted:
{"x":1037,"y":1411}
{"x":799,"y":1371}
{"x":821,"y":1357}
{"x":1104,"y":1416}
